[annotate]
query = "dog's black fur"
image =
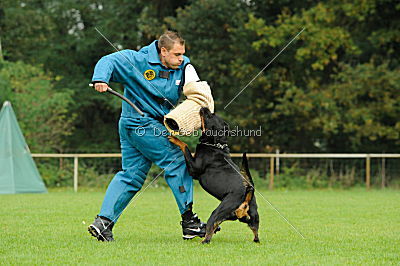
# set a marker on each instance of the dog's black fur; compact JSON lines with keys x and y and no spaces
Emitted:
{"x":219,"y":176}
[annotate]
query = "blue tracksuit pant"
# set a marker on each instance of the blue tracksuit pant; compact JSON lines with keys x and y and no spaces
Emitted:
{"x":143,"y":141}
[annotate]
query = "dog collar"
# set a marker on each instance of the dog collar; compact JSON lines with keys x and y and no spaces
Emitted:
{"x":218,"y":145}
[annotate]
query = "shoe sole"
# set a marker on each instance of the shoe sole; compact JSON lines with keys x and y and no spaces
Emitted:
{"x":95,"y":232}
{"x":188,"y":237}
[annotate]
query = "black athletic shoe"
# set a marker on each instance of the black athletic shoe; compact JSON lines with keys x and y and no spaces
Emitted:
{"x":193,"y":227}
{"x":101,"y":229}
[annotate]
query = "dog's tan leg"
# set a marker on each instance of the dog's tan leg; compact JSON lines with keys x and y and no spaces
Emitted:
{"x":210,"y":233}
{"x":182,"y":145}
{"x":255,"y":232}
{"x":243,"y":209}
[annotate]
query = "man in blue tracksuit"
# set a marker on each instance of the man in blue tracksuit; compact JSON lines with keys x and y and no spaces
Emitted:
{"x":152,"y":77}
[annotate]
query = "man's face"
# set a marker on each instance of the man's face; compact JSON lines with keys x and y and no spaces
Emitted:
{"x":174,"y":57}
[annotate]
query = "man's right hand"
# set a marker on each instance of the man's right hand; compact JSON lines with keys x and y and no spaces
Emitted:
{"x":100,"y":86}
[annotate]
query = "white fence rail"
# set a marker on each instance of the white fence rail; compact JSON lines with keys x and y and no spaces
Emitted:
{"x":274,"y":157}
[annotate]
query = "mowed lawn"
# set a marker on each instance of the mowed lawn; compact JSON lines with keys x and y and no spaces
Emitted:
{"x":341,"y":227}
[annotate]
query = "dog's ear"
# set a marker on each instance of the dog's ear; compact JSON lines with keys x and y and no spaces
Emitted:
{"x":226,"y":125}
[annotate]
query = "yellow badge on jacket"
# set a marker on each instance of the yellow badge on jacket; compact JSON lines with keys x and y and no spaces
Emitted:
{"x":149,"y":74}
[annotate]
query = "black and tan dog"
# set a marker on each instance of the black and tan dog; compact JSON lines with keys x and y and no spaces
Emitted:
{"x":219,"y":176}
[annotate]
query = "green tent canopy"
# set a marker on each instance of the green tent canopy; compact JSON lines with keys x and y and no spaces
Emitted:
{"x":18,"y":172}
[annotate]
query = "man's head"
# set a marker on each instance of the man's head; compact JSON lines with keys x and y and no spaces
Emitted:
{"x":172,"y":48}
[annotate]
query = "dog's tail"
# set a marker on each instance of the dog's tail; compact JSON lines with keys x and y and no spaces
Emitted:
{"x":245,"y":171}
{"x":247,"y":181}
{"x":242,"y":210}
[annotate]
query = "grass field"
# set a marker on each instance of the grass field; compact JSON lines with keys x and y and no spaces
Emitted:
{"x":341,"y":227}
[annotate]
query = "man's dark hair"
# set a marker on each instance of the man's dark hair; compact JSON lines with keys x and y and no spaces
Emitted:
{"x":169,"y":38}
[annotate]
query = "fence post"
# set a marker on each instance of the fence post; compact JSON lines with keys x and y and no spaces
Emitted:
{"x":76,"y":173}
{"x":277,"y":162}
{"x":383,"y":172}
{"x":271,"y":173}
{"x":368,"y":171}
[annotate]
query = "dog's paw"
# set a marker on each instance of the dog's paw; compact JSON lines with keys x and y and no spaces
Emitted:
{"x":205,"y":241}
{"x":256,"y":240}
{"x":173,"y":139}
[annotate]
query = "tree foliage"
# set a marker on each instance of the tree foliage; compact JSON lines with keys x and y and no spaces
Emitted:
{"x":334,"y":89}
{"x":43,"y":114}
